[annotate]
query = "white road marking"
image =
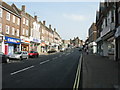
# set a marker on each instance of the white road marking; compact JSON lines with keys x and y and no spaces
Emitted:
{"x":21,"y":70}
{"x":44,"y":61}
{"x":77,"y":79}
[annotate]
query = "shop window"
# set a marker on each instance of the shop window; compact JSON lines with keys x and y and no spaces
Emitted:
{"x":0,"y":12}
{"x":0,"y":27}
{"x":7,"y":29}
{"x":8,"y":16}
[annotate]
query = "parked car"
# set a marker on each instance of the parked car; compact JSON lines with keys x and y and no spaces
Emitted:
{"x":52,"y":51}
{"x":19,"y":55}
{"x":33,"y":54}
{"x":62,"y":49}
{"x":3,"y":58}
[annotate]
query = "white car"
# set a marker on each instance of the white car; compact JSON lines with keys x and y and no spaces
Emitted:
{"x":19,"y":55}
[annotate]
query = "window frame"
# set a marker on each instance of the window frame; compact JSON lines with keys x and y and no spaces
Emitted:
{"x":7,"y":30}
{"x":13,"y":31}
{"x":8,"y":16}
{"x":1,"y":11}
{"x":13,"y":19}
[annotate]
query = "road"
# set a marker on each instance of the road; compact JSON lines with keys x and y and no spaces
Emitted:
{"x":48,"y":71}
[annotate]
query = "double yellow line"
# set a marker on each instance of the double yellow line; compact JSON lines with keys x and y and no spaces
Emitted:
{"x":77,"y":78}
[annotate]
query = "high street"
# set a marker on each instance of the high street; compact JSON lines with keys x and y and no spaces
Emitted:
{"x":48,"y":71}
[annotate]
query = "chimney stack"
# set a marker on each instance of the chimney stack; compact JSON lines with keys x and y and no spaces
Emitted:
{"x":54,"y":29}
{"x":35,"y":17}
{"x":50,"y":26}
{"x":23,"y":8}
{"x":43,"y":22}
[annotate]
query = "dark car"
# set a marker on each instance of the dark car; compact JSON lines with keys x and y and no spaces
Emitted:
{"x":33,"y":54}
{"x":3,"y":58}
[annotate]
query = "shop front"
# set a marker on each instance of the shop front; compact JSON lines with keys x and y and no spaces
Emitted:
{"x":25,"y":42}
{"x":43,"y":47}
{"x":11,"y":45}
{"x":35,"y":45}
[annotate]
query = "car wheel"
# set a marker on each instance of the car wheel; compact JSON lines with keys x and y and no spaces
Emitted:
{"x":37,"y":56}
{"x":20,"y":57}
{"x":7,"y":60}
{"x":27,"y":58}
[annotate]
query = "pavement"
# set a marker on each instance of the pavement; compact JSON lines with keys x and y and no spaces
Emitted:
{"x":48,"y":71}
{"x":99,"y":72}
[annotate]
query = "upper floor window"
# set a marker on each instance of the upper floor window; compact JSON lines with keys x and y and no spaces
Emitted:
{"x":23,"y":20}
{"x":8,"y":16}
{"x":13,"y":31}
{"x":17,"y":32}
{"x":18,"y":21}
{"x":0,"y":12}
{"x":7,"y":29}
{"x":112,"y":16}
{"x":27,"y":22}
{"x":23,"y":32}
{"x":26,"y":32}
{"x":0,"y":27}
{"x":13,"y":19}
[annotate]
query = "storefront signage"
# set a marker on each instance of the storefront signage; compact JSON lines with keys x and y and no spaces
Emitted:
{"x":12,"y":40}
{"x":36,"y":40}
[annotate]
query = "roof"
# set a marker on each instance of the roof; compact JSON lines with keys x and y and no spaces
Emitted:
{"x":9,"y":8}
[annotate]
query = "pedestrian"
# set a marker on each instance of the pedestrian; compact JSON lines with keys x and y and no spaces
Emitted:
{"x":87,"y":51}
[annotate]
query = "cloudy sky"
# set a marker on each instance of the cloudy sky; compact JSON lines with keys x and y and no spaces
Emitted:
{"x":71,"y":19}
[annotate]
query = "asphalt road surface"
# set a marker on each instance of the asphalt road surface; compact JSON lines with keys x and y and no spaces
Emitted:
{"x":48,"y":71}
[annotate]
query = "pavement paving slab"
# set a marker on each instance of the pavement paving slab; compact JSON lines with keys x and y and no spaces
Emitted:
{"x":99,"y":72}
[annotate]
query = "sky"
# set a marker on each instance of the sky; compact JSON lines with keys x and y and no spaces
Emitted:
{"x":71,"y":19}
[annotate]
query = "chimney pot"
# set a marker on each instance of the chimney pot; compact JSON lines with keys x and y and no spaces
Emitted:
{"x":54,"y":29}
{"x":43,"y":22}
{"x":23,"y":8}
{"x":35,"y":17}
{"x":49,"y":26}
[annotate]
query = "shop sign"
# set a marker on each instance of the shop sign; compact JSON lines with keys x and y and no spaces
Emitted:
{"x":36,"y":40}
{"x":1,"y":38}
{"x":12,"y":40}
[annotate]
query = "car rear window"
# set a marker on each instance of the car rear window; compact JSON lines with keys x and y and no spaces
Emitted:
{"x":31,"y":51}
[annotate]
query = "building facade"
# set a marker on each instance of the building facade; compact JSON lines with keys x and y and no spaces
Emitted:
{"x":117,"y":34}
{"x":106,"y":26}
{"x":10,"y":29}
{"x":19,"y":31}
{"x":92,"y":32}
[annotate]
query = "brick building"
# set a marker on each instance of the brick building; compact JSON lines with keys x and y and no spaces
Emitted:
{"x":10,"y":29}
{"x":92,"y":32}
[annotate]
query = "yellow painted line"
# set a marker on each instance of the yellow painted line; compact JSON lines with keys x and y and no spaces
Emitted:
{"x":77,"y":78}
